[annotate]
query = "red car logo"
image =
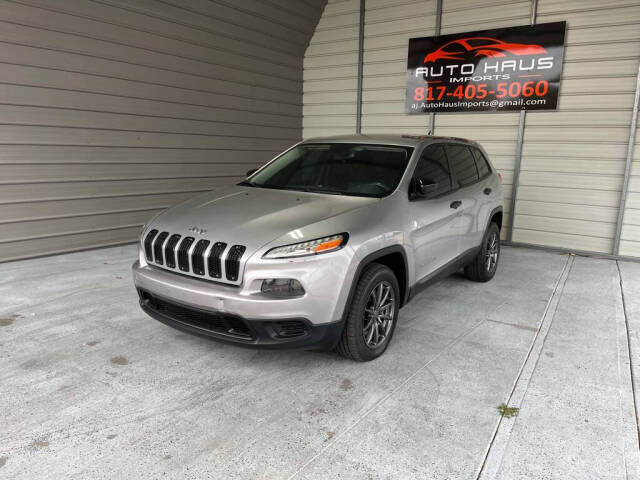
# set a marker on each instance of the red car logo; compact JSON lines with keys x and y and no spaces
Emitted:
{"x":481,"y":47}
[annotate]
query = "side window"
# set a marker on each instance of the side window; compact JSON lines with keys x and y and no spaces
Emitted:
{"x":433,"y":167}
{"x":463,"y":164}
{"x":482,"y":163}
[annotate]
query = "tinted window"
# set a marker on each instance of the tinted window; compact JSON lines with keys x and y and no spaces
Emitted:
{"x":338,"y":168}
{"x":482,"y":163}
{"x":463,"y":164}
{"x":433,"y":168}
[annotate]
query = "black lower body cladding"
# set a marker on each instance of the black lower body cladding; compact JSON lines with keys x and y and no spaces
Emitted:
{"x":298,"y":333}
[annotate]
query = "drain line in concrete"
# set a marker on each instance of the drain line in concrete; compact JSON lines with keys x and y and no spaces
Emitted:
{"x":498,"y":445}
{"x":629,"y":354}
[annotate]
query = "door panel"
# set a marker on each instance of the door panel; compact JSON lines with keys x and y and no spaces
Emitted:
{"x":486,"y":193}
{"x":435,"y":234}
{"x":466,"y":178}
{"x":471,"y":232}
{"x":435,"y":229}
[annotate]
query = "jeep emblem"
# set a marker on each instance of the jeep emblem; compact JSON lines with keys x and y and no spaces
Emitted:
{"x":200,"y":231}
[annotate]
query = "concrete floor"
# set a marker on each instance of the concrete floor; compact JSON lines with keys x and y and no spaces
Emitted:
{"x":90,"y":387}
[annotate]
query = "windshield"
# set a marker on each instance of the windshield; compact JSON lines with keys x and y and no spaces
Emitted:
{"x":337,"y":168}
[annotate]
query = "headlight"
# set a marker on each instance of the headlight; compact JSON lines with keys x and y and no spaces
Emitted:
{"x":282,"y":287}
{"x":312,"y":247}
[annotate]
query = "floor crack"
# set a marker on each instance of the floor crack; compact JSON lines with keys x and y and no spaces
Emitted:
{"x":514,"y":325}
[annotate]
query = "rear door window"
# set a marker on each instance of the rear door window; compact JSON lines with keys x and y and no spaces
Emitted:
{"x":482,"y":163}
{"x":434,"y":168}
{"x":463,"y":164}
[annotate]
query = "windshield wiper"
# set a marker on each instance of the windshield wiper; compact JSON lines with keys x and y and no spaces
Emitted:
{"x":302,"y":188}
{"x":322,"y":190}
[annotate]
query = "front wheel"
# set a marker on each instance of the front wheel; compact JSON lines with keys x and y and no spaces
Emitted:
{"x":372,"y":315}
{"x":484,"y":265}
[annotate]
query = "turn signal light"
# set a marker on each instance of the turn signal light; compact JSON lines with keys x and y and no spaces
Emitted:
{"x":312,"y":247}
{"x":330,"y":245}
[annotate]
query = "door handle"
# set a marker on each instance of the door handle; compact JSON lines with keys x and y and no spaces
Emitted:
{"x":487,"y":191}
{"x":455,"y":204}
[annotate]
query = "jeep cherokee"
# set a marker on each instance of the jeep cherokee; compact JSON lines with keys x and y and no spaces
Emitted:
{"x":320,"y":247}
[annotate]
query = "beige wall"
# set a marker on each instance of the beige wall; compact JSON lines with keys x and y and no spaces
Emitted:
{"x":330,"y":71}
{"x":113,"y":110}
{"x":630,"y":238}
{"x":573,"y":158}
{"x":498,"y":132}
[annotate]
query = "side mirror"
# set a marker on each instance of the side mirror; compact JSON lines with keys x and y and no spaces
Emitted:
{"x":251,"y":172}
{"x":424,"y":187}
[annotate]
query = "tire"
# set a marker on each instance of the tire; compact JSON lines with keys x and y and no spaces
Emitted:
{"x":357,"y":341}
{"x":481,"y":269}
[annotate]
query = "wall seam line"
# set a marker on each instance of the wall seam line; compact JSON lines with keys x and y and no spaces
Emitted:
{"x":624,"y":193}
{"x":519,"y":147}
{"x":363,"y":8}
{"x":438,"y":28}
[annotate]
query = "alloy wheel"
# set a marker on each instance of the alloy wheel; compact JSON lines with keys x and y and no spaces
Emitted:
{"x":491,"y":254}
{"x":378,"y":314}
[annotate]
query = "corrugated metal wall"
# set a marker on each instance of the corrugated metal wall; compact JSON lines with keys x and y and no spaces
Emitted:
{"x":330,"y":71}
{"x":388,"y":27}
{"x":573,"y":158}
{"x":112,"y":110}
{"x":630,"y":238}
{"x":497,"y":132}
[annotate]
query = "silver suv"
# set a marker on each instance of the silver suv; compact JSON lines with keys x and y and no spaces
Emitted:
{"x":320,"y":247}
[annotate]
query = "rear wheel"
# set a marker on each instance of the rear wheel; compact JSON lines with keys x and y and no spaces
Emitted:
{"x":372,"y":316}
{"x":484,"y":266}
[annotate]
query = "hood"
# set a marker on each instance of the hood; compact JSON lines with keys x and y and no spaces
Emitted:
{"x":252,"y":216}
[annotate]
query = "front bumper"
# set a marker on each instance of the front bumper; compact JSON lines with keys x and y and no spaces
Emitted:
{"x":326,"y":280}
{"x":229,"y":328}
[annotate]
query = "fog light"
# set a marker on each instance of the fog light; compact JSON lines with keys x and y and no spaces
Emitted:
{"x":282,"y":287}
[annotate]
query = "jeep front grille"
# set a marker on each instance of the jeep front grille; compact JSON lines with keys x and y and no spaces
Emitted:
{"x":232,"y":263}
{"x":215,"y":265}
{"x":202,"y":258}
{"x":157,"y":247}
{"x":198,"y":257}
{"x":183,"y":253}
{"x":170,"y":251}
{"x":148,"y":244}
